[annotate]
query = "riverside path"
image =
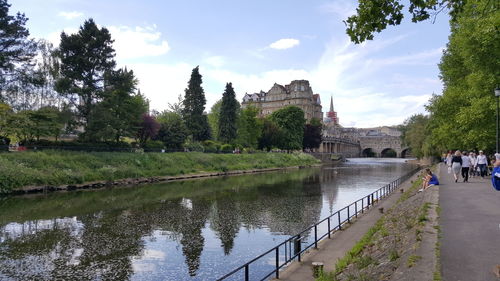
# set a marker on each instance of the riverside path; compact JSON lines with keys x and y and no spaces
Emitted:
{"x":470,"y":225}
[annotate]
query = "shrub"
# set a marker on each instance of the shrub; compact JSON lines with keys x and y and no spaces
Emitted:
{"x":226,"y":148}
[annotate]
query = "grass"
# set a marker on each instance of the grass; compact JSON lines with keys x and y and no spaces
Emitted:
{"x":354,"y":255}
{"x":67,"y":167}
{"x":412,"y":260}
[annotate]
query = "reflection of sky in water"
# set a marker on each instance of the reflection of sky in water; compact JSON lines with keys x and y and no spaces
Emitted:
{"x":195,"y":237}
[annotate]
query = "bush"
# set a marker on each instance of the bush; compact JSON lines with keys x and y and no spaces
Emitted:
{"x":154,"y":145}
{"x":194,"y":146}
{"x":211,"y":146}
{"x":226,"y":148}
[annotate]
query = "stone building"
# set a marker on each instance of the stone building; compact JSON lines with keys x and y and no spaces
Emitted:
{"x":298,"y":93}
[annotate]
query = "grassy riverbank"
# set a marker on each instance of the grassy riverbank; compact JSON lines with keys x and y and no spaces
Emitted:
{"x":66,"y":167}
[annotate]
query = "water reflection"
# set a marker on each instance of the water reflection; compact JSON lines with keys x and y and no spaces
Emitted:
{"x":192,"y":230}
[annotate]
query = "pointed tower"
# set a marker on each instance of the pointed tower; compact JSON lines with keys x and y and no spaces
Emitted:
{"x":332,"y":115}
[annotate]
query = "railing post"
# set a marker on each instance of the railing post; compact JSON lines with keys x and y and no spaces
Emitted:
{"x":316,"y":236}
{"x":356,"y":208}
{"x":362,"y":205}
{"x":340,"y":226}
{"x":278,"y":262}
{"x":329,"y":229}
{"x":348,"y":214}
{"x":246,"y":273}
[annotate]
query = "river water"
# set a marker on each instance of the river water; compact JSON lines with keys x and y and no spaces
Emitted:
{"x":187,"y":230}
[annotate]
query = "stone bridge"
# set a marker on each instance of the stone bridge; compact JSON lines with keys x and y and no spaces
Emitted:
{"x":382,"y":146}
{"x":344,"y":146}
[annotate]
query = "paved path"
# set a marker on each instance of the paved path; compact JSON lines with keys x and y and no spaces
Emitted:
{"x":470,"y":224}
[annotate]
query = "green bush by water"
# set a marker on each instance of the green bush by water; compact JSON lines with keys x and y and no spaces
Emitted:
{"x":68,"y":167}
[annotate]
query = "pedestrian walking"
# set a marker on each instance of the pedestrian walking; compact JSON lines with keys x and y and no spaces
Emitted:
{"x":448,"y":161}
{"x":482,"y":162}
{"x":465,"y":166}
{"x":456,"y":164}
{"x":472,"y":159}
{"x":495,"y":175}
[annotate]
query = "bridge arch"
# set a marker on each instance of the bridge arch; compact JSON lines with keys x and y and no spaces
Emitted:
{"x":388,"y":153}
{"x":406,"y":153}
{"x":368,"y":152}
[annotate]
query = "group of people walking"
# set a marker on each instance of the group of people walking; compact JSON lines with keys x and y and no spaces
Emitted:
{"x":467,"y":164}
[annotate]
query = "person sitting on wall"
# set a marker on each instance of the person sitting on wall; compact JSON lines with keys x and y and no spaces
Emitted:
{"x":429,"y":179}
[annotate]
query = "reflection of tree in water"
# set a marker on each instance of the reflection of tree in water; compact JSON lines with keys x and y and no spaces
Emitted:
{"x":192,"y":240}
{"x":101,"y":246}
{"x":288,"y":207}
{"x":225,"y":221}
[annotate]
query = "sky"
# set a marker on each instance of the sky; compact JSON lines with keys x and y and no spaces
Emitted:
{"x":254,"y":44}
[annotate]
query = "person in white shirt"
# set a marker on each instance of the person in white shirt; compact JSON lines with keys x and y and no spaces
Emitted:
{"x":465,"y":166}
{"x":472,"y":169}
{"x":482,"y":162}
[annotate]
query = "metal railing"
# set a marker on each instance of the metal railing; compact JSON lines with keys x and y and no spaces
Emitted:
{"x":295,"y":246}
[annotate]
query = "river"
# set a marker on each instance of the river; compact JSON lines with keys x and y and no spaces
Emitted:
{"x":186,"y":230}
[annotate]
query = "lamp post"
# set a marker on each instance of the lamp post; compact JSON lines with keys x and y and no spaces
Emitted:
{"x":497,"y":94}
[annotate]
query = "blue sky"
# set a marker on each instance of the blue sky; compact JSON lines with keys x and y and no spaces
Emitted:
{"x":254,"y":44}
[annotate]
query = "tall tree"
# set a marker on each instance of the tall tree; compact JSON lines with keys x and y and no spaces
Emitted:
{"x":291,"y":120}
{"x":312,"y":134}
{"x":213,"y":118}
{"x":194,"y":105}
{"x":249,"y":127}
{"x":272,"y":135}
{"x":16,"y":50}
{"x":375,"y":15}
{"x":228,"y":115}
{"x":85,"y":58}
{"x":120,"y":112}
{"x":463,"y":117}
{"x":173,"y":131}
{"x":415,"y":134}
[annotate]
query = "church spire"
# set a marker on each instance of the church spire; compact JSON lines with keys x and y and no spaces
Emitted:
{"x":331,"y":103}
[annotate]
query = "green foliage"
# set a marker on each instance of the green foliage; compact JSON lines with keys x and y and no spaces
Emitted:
{"x":173,"y":131}
{"x":16,"y":50}
{"x":85,"y":58}
{"x":312,"y":134}
{"x":291,"y":121}
{"x":464,"y":116}
{"x":271,"y":136}
{"x":228,"y":115}
{"x":211,"y":146}
{"x":5,"y":115}
{"x":249,"y":127}
{"x":355,"y":253}
{"x":415,"y":134}
{"x":375,"y":15}
{"x":226,"y":148}
{"x":213,"y":118}
{"x":194,"y":105}
{"x":66,"y":167}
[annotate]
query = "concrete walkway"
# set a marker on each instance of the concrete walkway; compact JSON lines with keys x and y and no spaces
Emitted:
{"x":470,"y":225}
{"x":330,"y":250}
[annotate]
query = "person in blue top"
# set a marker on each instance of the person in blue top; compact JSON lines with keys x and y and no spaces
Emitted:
{"x":495,"y":175}
{"x":429,"y":179}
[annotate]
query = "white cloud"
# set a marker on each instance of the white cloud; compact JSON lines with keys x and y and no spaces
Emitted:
{"x":70,"y":15}
{"x":130,"y":43}
{"x":138,"y":42}
{"x":161,"y":83}
{"x":283,"y":44}
{"x":215,"y":61}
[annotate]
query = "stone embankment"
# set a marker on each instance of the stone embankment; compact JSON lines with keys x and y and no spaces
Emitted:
{"x":138,"y":181}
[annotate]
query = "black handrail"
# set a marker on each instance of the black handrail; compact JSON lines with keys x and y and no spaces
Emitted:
{"x":296,"y":240}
